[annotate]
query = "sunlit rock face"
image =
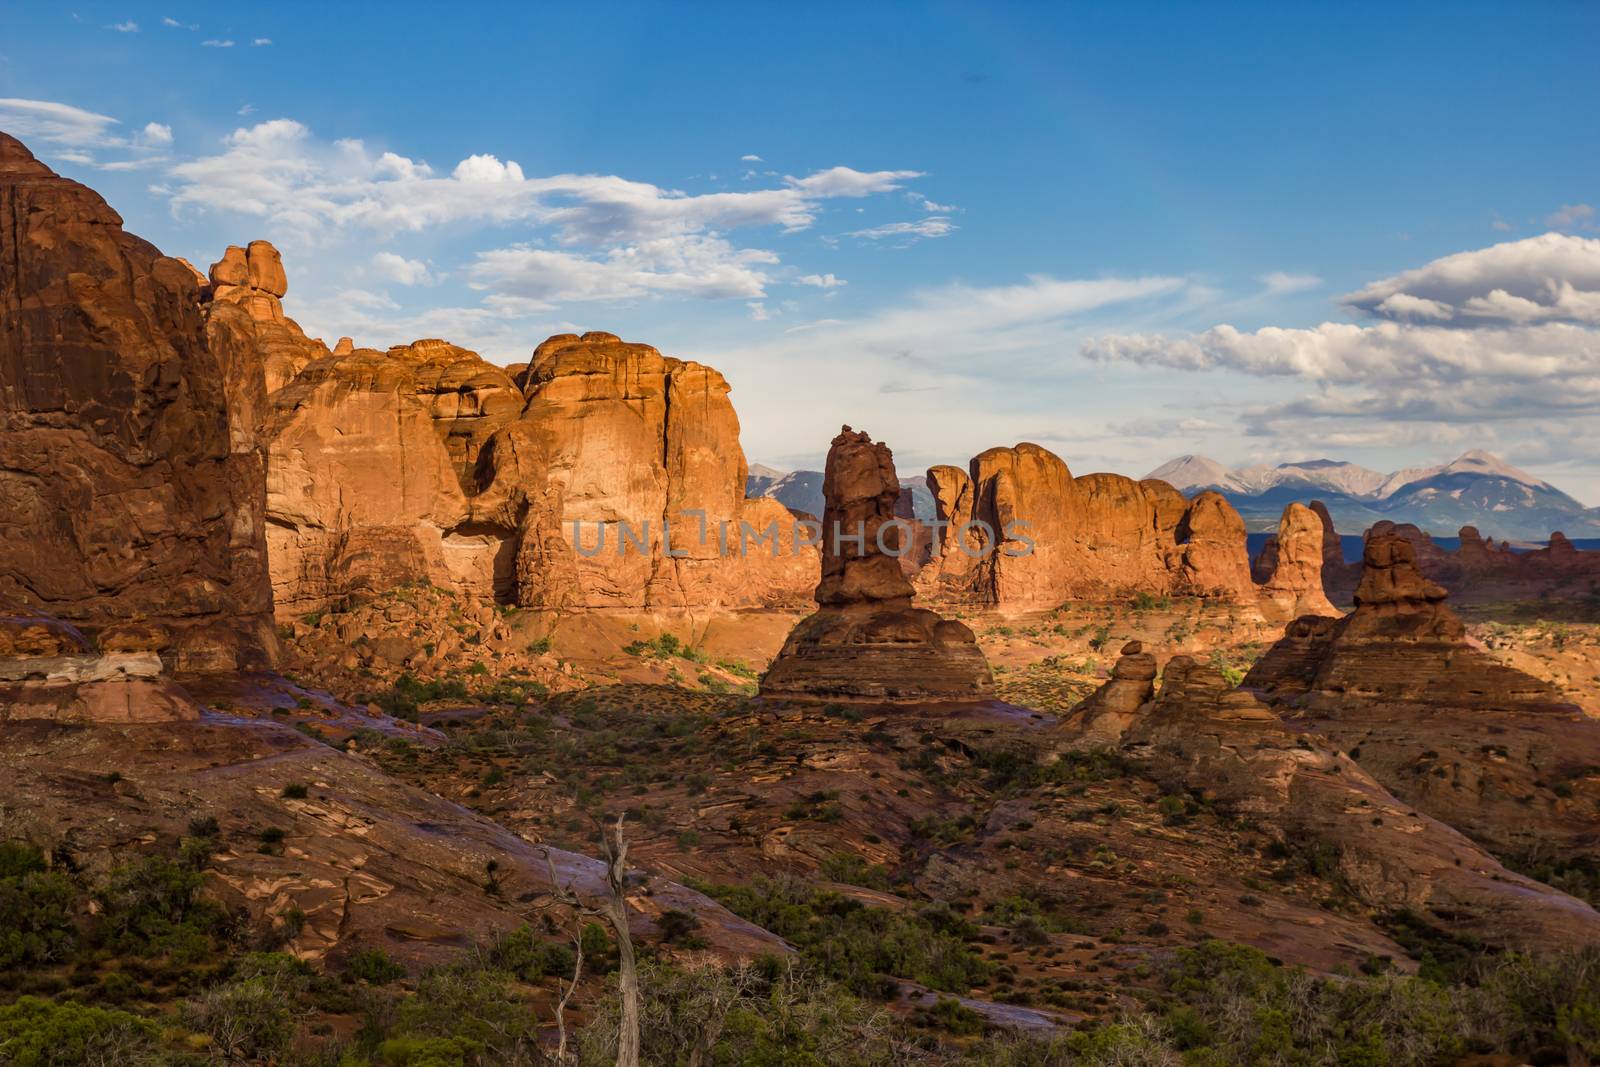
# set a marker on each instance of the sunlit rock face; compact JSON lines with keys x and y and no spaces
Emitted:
{"x":1024,"y":533}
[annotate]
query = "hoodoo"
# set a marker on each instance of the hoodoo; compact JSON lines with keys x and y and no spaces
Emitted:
{"x":867,"y":641}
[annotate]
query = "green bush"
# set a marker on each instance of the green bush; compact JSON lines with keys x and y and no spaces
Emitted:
{"x":37,"y":1033}
{"x":35,"y":909}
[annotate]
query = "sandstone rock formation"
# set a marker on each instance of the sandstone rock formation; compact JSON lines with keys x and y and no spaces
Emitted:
{"x":867,"y":642}
{"x":1201,"y":735}
{"x":1109,"y":711}
{"x":1338,"y":577}
{"x":1042,"y":536}
{"x":50,"y":670}
{"x":1480,"y":570}
{"x":371,"y":462}
{"x":131,"y":471}
{"x":1488,"y":749}
{"x":551,"y":490}
{"x":245,"y":293}
{"x":1292,"y":567}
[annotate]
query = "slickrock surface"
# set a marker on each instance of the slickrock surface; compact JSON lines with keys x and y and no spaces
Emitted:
{"x":1098,"y":536}
{"x":1200,"y":734}
{"x":1292,"y":564}
{"x":867,"y":641}
{"x":131,"y":471}
{"x":371,"y":862}
{"x":1488,"y":749}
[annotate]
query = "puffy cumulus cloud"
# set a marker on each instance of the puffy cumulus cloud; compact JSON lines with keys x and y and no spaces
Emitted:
{"x":1554,"y":277}
{"x":821,"y":281}
{"x":400,"y":270}
{"x":129,"y":26}
{"x":1343,"y":352}
{"x":342,"y":184}
{"x":1498,"y":346}
{"x":935,"y":226}
{"x":155,"y":133}
{"x":530,"y":278}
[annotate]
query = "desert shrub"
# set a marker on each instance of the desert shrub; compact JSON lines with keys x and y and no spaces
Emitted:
{"x":473,"y":1008}
{"x":373,"y":965}
{"x":35,"y":909}
{"x":529,"y":957}
{"x":252,"y":1016}
{"x":153,"y":906}
{"x":37,"y":1033}
{"x":863,"y":948}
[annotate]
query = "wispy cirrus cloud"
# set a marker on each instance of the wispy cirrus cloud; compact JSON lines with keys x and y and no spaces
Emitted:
{"x":933,"y":226}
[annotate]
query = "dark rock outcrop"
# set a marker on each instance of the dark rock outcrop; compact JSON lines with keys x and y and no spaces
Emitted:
{"x":1494,"y":752}
{"x":131,"y":466}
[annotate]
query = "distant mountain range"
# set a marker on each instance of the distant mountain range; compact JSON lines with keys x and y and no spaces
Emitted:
{"x":802,"y":490}
{"x":1475,"y":489}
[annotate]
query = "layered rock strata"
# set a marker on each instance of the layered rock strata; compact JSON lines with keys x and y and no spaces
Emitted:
{"x":867,"y":642}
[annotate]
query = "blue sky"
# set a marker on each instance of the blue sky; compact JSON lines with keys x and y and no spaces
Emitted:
{"x":967,"y":225}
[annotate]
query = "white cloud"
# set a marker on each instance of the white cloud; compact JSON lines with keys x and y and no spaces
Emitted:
{"x":963,"y":349}
{"x":279,"y":169}
{"x":930,"y":207}
{"x":822,"y":281}
{"x":535,"y":278}
{"x":129,"y":26}
{"x":1386,"y":352}
{"x":175,"y":24}
{"x":399,"y":269}
{"x":246,"y":109}
{"x":758,"y":311}
{"x":57,"y":123}
{"x":261,"y":42}
{"x":1572,"y":217}
{"x":1277,"y":282}
{"x":155,"y":133}
{"x":751,"y":159}
{"x":935,"y":226}
{"x":1497,"y":345}
{"x":1553,"y":277}
{"x":482,"y":169}
{"x":216,"y":44}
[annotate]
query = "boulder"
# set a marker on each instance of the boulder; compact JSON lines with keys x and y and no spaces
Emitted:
{"x":867,"y":641}
{"x":131,"y":467}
